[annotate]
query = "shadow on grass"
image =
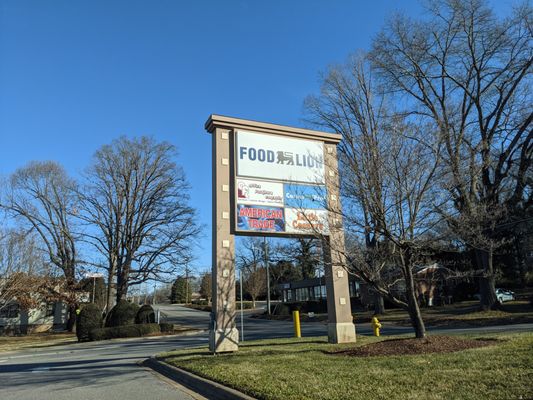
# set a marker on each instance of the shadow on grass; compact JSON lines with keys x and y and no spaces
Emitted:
{"x":205,"y":353}
{"x":285,"y":343}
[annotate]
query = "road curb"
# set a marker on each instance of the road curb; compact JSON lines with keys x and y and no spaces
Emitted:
{"x":191,"y":332}
{"x":202,"y":386}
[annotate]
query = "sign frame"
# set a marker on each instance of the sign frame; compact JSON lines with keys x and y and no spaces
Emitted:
{"x":223,"y":333}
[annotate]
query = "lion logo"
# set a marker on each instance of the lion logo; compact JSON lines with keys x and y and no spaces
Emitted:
{"x":285,"y":158}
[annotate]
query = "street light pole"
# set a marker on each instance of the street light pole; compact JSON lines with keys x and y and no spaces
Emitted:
{"x":94,"y":287}
{"x":242,"y":308}
{"x":265,"y":248}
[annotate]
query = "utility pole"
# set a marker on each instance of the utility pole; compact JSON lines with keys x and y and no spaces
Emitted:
{"x":186,"y":284}
{"x":242,"y":308}
{"x":267,"y":266}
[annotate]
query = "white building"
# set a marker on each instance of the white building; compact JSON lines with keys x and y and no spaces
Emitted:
{"x":51,"y":316}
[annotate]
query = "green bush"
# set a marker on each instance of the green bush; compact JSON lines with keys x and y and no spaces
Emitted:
{"x":124,"y":331}
{"x":123,"y":313}
{"x":316,"y":306}
{"x":145,"y":315}
{"x":246,"y":305}
{"x":281,"y":309}
{"x":166,"y":327}
{"x":89,"y":318}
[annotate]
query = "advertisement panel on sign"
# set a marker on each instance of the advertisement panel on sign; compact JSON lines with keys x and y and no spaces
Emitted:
{"x":279,"y":158}
{"x":308,"y":222}
{"x":259,"y":192}
{"x":305,"y":196}
{"x":260,"y":219}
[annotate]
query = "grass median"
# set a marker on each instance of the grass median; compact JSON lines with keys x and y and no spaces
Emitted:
{"x":40,"y":340}
{"x":313,"y":369}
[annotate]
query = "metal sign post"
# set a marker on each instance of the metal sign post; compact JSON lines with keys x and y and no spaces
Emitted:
{"x":267,"y":268}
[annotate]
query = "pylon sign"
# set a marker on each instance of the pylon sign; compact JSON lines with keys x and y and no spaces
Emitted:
{"x":279,"y":185}
{"x":274,"y":180}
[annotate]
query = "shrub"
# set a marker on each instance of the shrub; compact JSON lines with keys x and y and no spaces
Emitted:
{"x":246,"y":305}
{"x":89,"y":318}
{"x":464,"y":291}
{"x":145,"y":315}
{"x":166,"y":327}
{"x":281,"y":309}
{"x":122,"y":314}
{"x":124,"y":331}
{"x":316,"y":306}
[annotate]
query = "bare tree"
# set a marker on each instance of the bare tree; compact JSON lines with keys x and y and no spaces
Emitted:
{"x":305,"y":253}
{"x":137,"y":198}
{"x":251,"y":260}
{"x":41,"y":196}
{"x":21,"y":263}
{"x":468,"y":74}
{"x":254,"y":281}
{"x":388,"y":172}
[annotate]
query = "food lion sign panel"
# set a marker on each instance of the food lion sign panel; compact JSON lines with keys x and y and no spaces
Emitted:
{"x":279,"y":158}
{"x":288,"y":195}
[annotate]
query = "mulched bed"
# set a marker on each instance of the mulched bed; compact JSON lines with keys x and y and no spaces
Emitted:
{"x":431,"y":344}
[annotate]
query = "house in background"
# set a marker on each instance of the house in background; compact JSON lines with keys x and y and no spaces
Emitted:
{"x":49,"y":316}
{"x":312,"y":289}
{"x":434,"y":286}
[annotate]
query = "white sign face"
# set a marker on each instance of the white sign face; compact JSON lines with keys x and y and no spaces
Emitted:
{"x":308,"y":222}
{"x":259,"y":192}
{"x":279,"y":158}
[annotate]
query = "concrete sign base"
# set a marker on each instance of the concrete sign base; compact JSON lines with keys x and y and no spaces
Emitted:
{"x":223,"y":341}
{"x":341,"y":332}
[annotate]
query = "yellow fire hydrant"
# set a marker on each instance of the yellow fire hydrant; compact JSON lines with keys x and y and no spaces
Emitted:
{"x":376,"y":325}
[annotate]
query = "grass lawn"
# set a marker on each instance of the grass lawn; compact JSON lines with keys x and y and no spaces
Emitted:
{"x":300,"y":369}
{"x":12,"y":343}
{"x":460,"y":314}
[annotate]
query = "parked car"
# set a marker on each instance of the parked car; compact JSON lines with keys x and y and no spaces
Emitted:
{"x":501,"y":294}
{"x":504,"y":295}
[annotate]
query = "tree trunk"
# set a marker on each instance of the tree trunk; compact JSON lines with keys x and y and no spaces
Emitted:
{"x":122,"y":287}
{"x":109,"y":293}
{"x":487,"y":283}
{"x":412,"y":305}
{"x":416,"y":319}
{"x":379,"y":304}
{"x":110,"y":276}
{"x":123,"y":279}
{"x":71,"y":321}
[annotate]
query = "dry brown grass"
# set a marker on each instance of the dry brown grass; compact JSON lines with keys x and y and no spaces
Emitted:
{"x":12,"y":343}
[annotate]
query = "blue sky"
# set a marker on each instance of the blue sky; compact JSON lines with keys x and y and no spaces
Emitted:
{"x":76,"y":74}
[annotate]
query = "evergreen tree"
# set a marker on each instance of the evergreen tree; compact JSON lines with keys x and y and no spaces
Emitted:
{"x":181,"y":291}
{"x":205,"y":286}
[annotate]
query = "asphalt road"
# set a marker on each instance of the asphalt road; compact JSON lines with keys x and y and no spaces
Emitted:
{"x":109,"y":370}
{"x":255,"y":328}
{"x":100,"y":370}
